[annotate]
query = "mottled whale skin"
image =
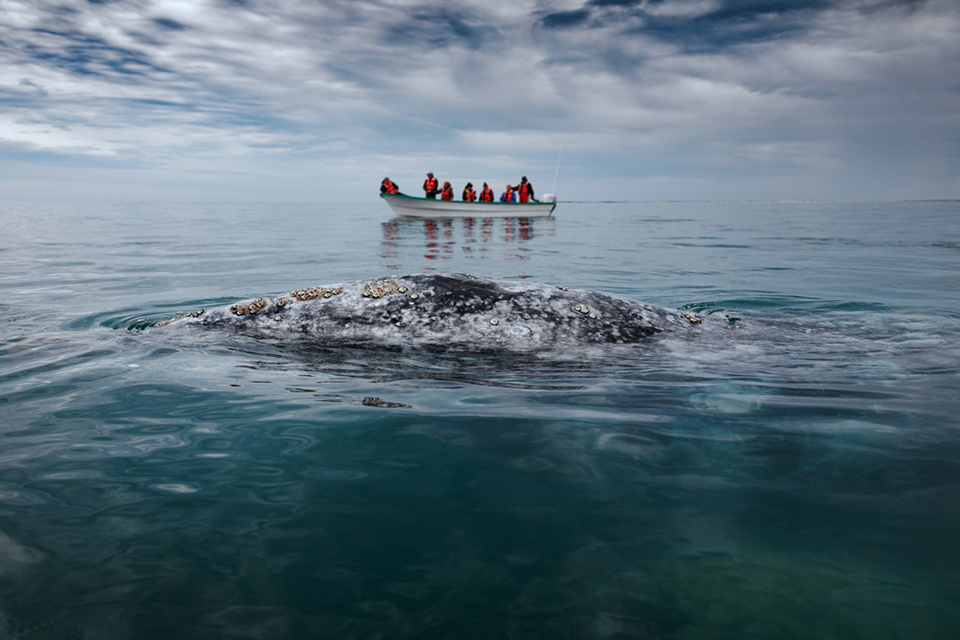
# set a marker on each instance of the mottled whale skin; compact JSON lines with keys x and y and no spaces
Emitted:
{"x":446,"y":311}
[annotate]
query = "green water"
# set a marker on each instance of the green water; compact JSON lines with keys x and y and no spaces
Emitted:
{"x":796,"y":477}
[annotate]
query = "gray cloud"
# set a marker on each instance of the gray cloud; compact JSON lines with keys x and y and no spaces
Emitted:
{"x":696,"y":25}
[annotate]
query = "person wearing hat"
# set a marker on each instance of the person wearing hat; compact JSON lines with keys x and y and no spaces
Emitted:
{"x":486,"y":194}
{"x":509,"y":195}
{"x":389,"y":186}
{"x":430,"y":186}
{"x":525,"y":190}
{"x":447,"y":192}
{"x":469,"y":195}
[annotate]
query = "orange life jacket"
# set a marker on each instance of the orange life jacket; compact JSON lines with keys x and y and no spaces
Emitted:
{"x":524,"y":191}
{"x":430,"y":184}
{"x":469,"y":195}
{"x":446,"y":193}
{"x":486,"y":195}
{"x":390,"y":187}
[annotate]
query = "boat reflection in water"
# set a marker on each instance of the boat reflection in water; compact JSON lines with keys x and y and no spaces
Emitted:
{"x":445,"y":238}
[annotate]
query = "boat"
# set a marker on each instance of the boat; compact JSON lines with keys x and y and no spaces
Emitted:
{"x":411,"y":207}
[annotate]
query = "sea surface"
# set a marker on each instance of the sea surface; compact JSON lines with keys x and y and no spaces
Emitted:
{"x":797,"y":476}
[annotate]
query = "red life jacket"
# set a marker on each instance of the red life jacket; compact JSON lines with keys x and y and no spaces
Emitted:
{"x":507,"y":195}
{"x":486,"y":195}
{"x":446,"y":193}
{"x":390,"y":187}
{"x":524,"y":191}
{"x":430,"y":184}
{"x":469,"y":195}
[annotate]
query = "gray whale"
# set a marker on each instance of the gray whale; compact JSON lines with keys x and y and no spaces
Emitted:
{"x":445,"y":311}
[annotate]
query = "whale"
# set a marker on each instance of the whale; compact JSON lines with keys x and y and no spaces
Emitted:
{"x":444,"y":311}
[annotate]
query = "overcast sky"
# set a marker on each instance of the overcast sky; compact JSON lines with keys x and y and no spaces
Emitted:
{"x":318,"y":100}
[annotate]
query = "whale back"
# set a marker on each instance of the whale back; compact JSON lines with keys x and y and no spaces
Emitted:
{"x":444,"y":310}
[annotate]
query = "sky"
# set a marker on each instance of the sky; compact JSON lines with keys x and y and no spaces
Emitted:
{"x":318,"y":100}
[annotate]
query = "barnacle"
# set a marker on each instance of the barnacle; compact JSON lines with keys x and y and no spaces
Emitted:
{"x":691,"y":317}
{"x":382,"y":288}
{"x":253,"y":307}
{"x":312,"y":293}
{"x":195,"y":314}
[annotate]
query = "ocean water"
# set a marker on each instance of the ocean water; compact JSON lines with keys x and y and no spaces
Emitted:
{"x":795,"y":476}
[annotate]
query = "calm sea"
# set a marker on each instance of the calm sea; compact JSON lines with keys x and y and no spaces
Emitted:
{"x":795,"y":477}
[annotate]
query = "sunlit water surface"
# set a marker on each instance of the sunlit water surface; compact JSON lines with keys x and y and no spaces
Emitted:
{"x":795,"y":476}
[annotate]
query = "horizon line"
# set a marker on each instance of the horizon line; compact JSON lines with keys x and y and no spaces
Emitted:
{"x":751,"y":201}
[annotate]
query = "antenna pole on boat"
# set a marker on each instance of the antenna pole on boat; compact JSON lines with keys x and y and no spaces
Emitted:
{"x":557,"y":172}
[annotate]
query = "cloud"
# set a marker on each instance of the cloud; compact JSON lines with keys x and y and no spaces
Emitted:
{"x":694,"y":26}
{"x":320,"y":96}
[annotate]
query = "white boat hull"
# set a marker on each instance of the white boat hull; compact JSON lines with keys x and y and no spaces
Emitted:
{"x":410,"y":207}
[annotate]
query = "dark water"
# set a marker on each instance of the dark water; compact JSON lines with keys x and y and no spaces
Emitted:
{"x":795,"y":477}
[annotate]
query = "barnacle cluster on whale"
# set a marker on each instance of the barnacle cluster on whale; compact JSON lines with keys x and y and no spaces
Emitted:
{"x":313,"y":293}
{"x":382,"y":288}
{"x":253,"y":307}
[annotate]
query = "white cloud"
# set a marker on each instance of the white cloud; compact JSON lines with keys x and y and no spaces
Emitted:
{"x":685,"y":8}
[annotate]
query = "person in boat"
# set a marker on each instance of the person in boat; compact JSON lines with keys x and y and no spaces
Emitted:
{"x":469,"y":195}
{"x":525,"y":190}
{"x":430,"y":186}
{"x":509,"y":195}
{"x":486,"y":194}
{"x":389,"y":186}
{"x":447,"y":192}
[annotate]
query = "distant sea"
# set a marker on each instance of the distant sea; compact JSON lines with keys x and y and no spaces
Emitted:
{"x":795,"y":477}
